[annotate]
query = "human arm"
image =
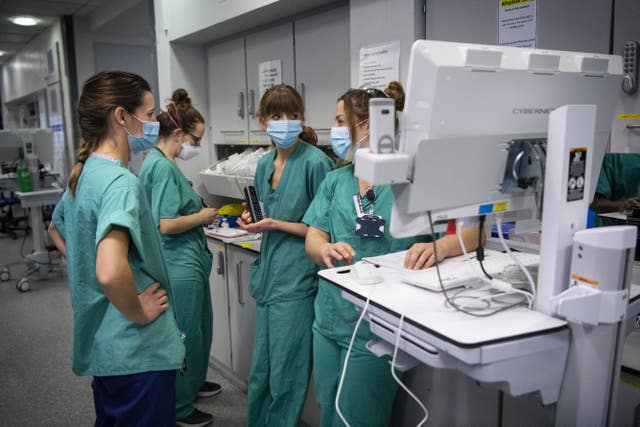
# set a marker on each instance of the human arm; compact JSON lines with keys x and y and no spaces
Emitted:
{"x":184,"y":223}
{"x":602,"y":205}
{"x":295,"y":228}
{"x":322,"y":251}
{"x":58,"y":240}
{"x":421,"y":255}
{"x":117,"y":282}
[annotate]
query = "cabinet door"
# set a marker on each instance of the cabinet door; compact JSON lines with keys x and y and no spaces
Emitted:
{"x":270,"y":45}
{"x":221,"y":346}
{"x":322,"y":66}
{"x":242,"y":310}
{"x":227,"y":92}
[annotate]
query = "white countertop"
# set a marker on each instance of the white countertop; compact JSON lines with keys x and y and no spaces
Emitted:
{"x":426,"y":310}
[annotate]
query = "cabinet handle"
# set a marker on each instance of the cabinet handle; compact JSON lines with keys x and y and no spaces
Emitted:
{"x":632,"y":127}
{"x":231,"y":132}
{"x":240,"y":109}
{"x":302,"y":90}
{"x":220,"y":268}
{"x":239,"y":283}
{"x":251,"y":103}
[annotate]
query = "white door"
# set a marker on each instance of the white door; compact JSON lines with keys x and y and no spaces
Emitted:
{"x":221,"y":346}
{"x":227,"y":92}
{"x":242,"y":310}
{"x":274,"y":44}
{"x":322,"y":66}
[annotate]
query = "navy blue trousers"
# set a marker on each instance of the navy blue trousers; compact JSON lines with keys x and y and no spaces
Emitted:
{"x":145,"y":399}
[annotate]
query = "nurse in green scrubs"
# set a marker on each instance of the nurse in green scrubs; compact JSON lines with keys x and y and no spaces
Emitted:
{"x":283,"y":280}
{"x":179,"y":215}
{"x":369,"y":388}
{"x":618,"y":188}
{"x":125,"y":334}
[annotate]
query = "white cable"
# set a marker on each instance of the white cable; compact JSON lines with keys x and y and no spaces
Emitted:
{"x":528,"y":296}
{"x":400,"y":383}
{"x":515,"y":259}
{"x":346,"y":362}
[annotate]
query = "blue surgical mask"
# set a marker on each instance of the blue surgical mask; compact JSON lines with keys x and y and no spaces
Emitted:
{"x":148,"y":139}
{"x":284,"y":133}
{"x":340,"y":141}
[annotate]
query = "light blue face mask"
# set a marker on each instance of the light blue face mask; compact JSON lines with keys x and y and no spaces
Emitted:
{"x":340,"y":141}
{"x":284,"y":133}
{"x":148,"y":139}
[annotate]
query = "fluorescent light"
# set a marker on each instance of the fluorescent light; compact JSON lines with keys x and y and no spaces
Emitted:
{"x":26,"y":21}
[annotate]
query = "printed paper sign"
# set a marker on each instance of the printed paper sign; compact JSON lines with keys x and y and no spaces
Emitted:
{"x":517,"y":23}
{"x":269,"y":74}
{"x":379,"y":64}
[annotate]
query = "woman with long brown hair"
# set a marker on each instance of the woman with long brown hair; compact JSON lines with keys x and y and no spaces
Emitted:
{"x":124,"y":336}
{"x":283,"y":280}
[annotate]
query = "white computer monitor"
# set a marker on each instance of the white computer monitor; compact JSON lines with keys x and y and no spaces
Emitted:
{"x":493,"y":94}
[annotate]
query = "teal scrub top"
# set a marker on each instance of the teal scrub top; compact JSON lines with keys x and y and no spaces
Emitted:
{"x":333,"y":211}
{"x":283,"y":272}
{"x":105,"y":342}
{"x":171,"y":196}
{"x":619,"y":180}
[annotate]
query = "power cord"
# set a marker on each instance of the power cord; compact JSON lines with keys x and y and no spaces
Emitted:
{"x":480,"y":248}
{"x":346,"y":362}
{"x":449,"y":301}
{"x":515,"y":259}
{"x":400,"y":383}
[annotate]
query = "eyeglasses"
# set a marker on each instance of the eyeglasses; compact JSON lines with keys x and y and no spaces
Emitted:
{"x":196,"y":139}
{"x":374,"y":92}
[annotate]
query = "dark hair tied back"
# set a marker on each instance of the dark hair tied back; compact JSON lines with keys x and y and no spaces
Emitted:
{"x":179,"y":114}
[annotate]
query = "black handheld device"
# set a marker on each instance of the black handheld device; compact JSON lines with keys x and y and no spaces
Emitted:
{"x":253,"y":204}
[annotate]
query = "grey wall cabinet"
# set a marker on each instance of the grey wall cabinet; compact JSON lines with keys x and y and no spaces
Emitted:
{"x":242,"y":310}
{"x":221,"y":346}
{"x":314,"y":57}
{"x":274,"y":44}
{"x":322,"y":66}
{"x":228,"y":91}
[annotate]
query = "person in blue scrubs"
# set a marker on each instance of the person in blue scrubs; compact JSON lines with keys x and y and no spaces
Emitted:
{"x":125,"y":333}
{"x":283,"y":280}
{"x":179,"y":215}
{"x":369,"y":388}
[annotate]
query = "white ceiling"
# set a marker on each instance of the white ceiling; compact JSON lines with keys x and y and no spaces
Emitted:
{"x":14,"y":37}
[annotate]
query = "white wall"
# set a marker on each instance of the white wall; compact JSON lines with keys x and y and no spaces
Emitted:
{"x":377,"y":21}
{"x":183,"y":66}
{"x":130,"y":28}
{"x":196,"y":15}
{"x":562,"y":25}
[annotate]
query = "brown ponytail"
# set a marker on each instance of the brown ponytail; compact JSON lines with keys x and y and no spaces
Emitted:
{"x":308,"y":135}
{"x":179,"y":114}
{"x":396,"y":91}
{"x":101,"y":94}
